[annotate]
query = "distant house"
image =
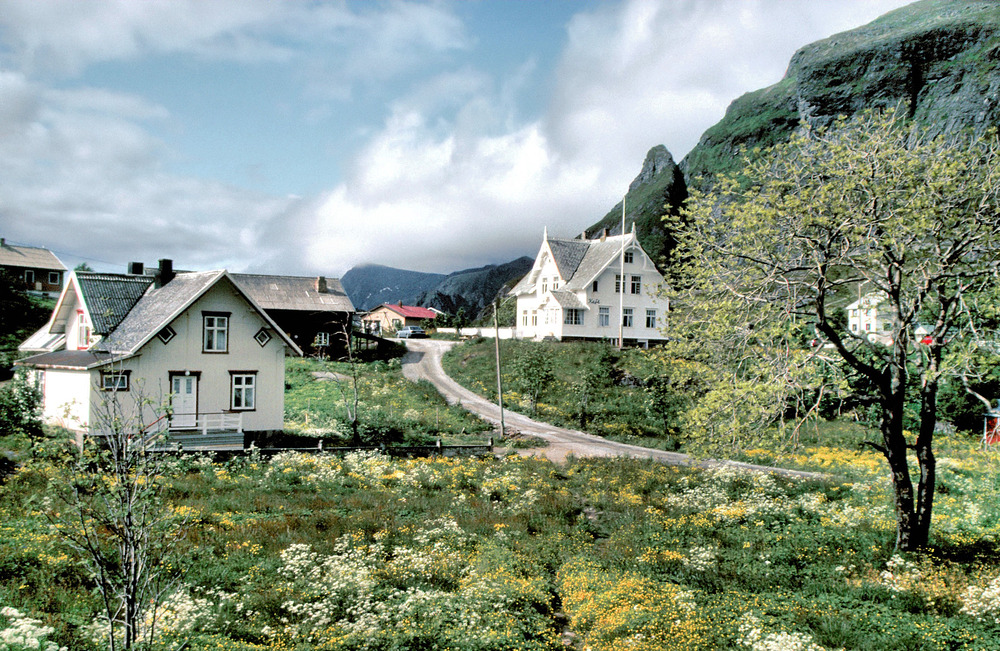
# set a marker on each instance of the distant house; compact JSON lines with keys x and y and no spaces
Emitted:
{"x":577,"y":290}
{"x":390,"y":317}
{"x":38,"y":269}
{"x":197,"y":344}
{"x":871,"y":317}
{"x":314,"y":311}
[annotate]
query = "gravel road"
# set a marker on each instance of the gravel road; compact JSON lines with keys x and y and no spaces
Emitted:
{"x":423,"y":362}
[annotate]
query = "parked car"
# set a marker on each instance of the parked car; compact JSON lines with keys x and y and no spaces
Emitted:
{"x":411,"y":332}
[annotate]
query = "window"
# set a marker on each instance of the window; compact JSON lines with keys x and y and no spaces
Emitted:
{"x":545,"y":285}
{"x":53,"y":277}
{"x":650,"y":318}
{"x":244,"y":390}
{"x":397,"y":324}
{"x":868,"y":326}
{"x":166,"y":334}
{"x":604,"y":317}
{"x":636,"y":284}
{"x":216,"y":338}
{"x":83,"y":331}
{"x":115,"y":381}
{"x":573,"y":316}
{"x":618,"y":283}
{"x":628,"y":257}
{"x":854,"y":327}
{"x":627,"y":317}
{"x":524,"y":317}
{"x":29,"y":276}
{"x":593,"y":287}
{"x":534,"y":317}
{"x":263,"y":336}
{"x":555,"y":284}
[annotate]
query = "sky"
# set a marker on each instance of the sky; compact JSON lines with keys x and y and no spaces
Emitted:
{"x":306,"y":138}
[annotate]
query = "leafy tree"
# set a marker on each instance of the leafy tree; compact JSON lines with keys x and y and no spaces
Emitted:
{"x":531,"y":372}
{"x":20,"y":409}
{"x":871,"y":204}
{"x":20,"y":315}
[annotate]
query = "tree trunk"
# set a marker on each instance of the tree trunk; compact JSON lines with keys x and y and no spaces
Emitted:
{"x":894,"y":449}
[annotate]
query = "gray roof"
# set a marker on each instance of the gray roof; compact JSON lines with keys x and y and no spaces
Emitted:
{"x":67,"y":359}
{"x":568,"y":300}
{"x":110,"y":297}
{"x":43,"y":340}
{"x":294,"y":293}
{"x":580,"y":261}
{"x":568,"y":254}
{"x":29,"y":257}
{"x":156,"y":309}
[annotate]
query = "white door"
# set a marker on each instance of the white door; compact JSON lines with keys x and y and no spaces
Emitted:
{"x":184,"y":398}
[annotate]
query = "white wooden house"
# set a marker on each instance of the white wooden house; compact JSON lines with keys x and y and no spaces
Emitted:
{"x":195,"y":344}
{"x":870,"y":317}
{"x":583,"y":289}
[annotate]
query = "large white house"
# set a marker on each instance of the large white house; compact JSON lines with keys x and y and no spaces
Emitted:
{"x":195,"y":345}
{"x":870,"y":316}
{"x":583,"y":289}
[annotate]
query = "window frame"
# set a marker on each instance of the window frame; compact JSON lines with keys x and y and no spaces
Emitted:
{"x":604,"y":317}
{"x":238,"y":386}
{"x":29,"y":276}
{"x":636,"y":285}
{"x":215,"y":330}
{"x":627,"y":317}
{"x":629,"y":257}
{"x":573,"y":316}
{"x":120,"y":380}
{"x":650,"y":318}
{"x":54,"y":278}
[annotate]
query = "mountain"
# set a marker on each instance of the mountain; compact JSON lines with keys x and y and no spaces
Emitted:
{"x":941,"y":58}
{"x":369,"y":286}
{"x":473,"y":289}
{"x":659,"y":189}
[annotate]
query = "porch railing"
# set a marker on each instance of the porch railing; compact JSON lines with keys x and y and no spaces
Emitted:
{"x":228,"y":422}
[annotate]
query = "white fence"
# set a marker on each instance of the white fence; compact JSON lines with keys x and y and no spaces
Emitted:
{"x":505,"y":333}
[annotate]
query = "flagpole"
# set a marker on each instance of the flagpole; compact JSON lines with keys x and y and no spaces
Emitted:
{"x":621,"y":295}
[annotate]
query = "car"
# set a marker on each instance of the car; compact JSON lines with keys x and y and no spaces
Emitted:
{"x":411,"y":332}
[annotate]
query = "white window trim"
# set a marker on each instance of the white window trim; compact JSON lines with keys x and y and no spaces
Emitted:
{"x":243,"y":390}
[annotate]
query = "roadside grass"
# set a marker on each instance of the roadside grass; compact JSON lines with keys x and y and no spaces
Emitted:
{"x":596,"y":388}
{"x":320,"y":395}
{"x":312,"y":552}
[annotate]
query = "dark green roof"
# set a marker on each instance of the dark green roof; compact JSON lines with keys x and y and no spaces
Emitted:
{"x":110,"y":297}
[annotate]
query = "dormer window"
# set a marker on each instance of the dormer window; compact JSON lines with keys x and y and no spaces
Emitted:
{"x":82,"y":331}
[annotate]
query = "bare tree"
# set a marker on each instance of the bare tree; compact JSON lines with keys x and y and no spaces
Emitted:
{"x":111,"y":511}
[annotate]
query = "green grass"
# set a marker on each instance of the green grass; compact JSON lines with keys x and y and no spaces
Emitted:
{"x":365,"y":552}
{"x":391,"y":409}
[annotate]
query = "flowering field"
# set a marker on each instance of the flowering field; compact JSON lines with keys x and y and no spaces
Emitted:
{"x":365,"y":552}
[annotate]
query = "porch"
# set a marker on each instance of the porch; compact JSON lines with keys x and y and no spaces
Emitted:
{"x":193,"y":432}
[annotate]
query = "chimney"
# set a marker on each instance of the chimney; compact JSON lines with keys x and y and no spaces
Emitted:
{"x":604,"y":234}
{"x":136,"y":269}
{"x":320,"y":285}
{"x":400,"y":303}
{"x":166,"y":272}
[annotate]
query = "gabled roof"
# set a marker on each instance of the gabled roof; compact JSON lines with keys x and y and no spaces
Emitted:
{"x":29,"y":257}
{"x":581,"y":261}
{"x":568,"y":254}
{"x":294,"y":293}
{"x":409,"y":311}
{"x":110,"y":297}
{"x":159,"y":306}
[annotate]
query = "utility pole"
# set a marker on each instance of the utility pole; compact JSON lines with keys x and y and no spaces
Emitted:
{"x":496,"y":326}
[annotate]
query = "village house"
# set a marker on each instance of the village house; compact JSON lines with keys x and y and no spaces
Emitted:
{"x":313,"y":310}
{"x":197,"y":346}
{"x":390,"y":317}
{"x":596,"y":289}
{"x":39,"y":270}
{"x":871,"y":317}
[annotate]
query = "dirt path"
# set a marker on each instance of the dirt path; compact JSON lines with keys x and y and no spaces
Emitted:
{"x":423,"y":362}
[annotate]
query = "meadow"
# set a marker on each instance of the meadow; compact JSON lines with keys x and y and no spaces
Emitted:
{"x":364,"y":552}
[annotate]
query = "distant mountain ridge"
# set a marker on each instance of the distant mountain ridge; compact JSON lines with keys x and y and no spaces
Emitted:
{"x":369,"y":286}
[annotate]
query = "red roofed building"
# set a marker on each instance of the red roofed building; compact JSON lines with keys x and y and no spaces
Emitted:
{"x":390,"y":317}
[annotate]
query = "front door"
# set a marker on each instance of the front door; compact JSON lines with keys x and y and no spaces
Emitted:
{"x":184,"y":399}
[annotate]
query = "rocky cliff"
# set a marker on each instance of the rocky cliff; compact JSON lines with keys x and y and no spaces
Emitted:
{"x":940,"y":58}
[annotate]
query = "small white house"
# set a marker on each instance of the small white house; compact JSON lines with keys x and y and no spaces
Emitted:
{"x":583,"y":289}
{"x":195,"y":345}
